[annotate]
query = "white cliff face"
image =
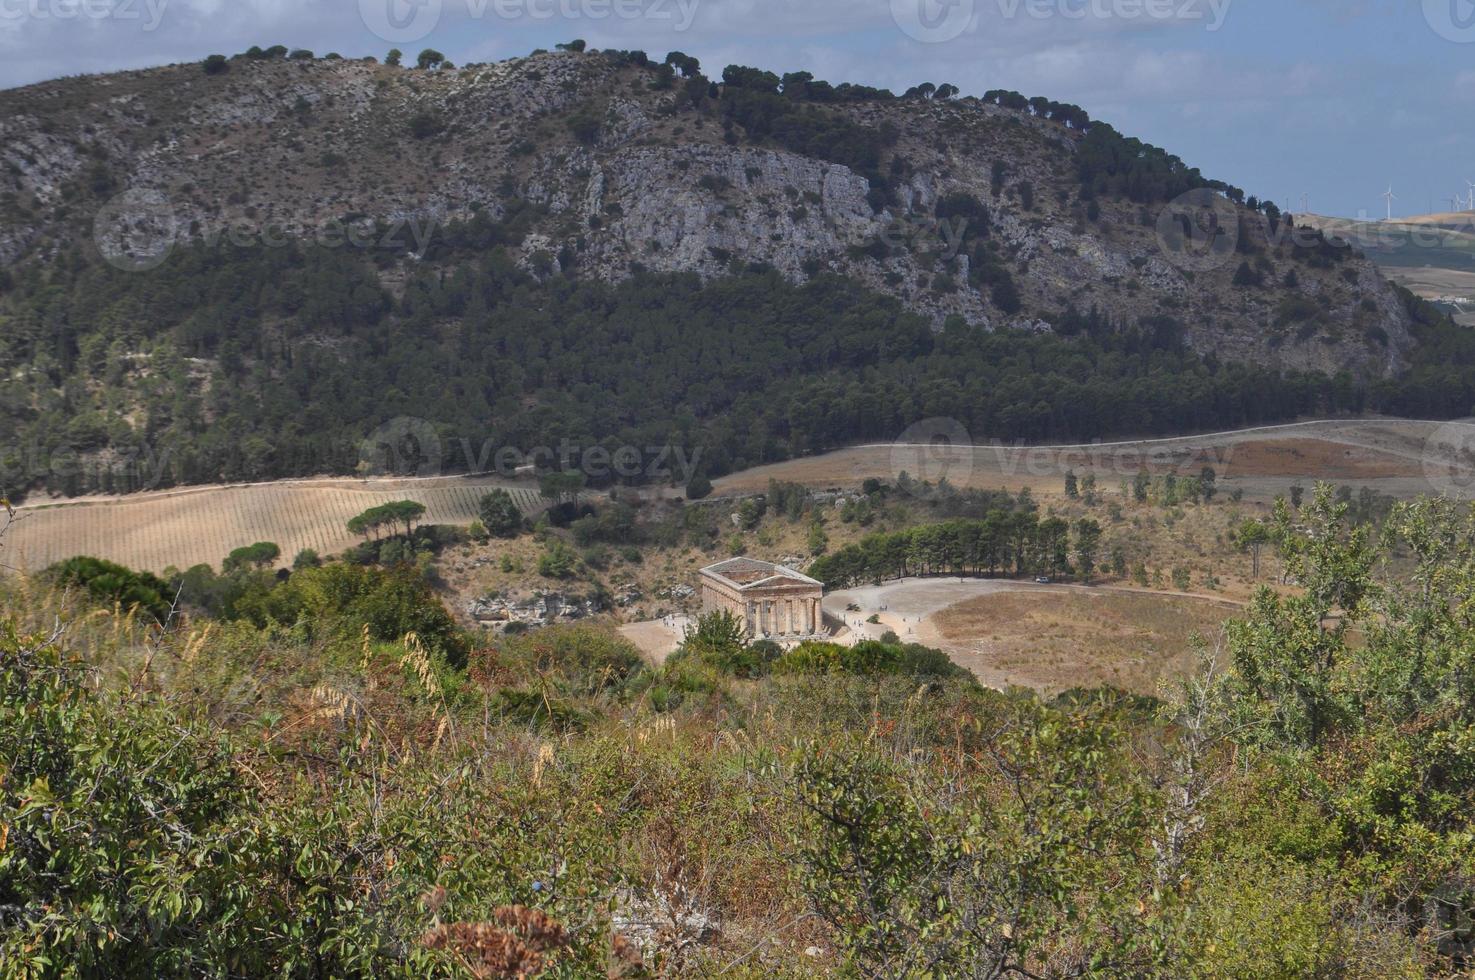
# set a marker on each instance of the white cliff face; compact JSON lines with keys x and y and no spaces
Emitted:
{"x":627,"y":177}
{"x":684,"y":209}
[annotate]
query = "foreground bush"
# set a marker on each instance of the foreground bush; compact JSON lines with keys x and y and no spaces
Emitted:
{"x":253,"y":798}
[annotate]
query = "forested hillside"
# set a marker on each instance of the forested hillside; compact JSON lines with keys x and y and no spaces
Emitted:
{"x":606,"y":249}
{"x":267,"y":363}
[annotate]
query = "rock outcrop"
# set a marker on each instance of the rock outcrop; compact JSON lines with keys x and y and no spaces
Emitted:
{"x":623,"y":174}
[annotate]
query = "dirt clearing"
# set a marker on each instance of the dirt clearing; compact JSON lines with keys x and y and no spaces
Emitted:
{"x":1056,"y":640}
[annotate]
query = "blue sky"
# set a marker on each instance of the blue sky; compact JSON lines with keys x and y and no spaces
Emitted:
{"x":1334,"y":99}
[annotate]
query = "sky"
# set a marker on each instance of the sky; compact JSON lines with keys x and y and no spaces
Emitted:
{"x":1331,"y":99}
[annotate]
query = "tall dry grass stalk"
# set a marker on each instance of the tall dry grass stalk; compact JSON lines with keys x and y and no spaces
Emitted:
{"x":417,"y":659}
{"x":664,"y":725}
{"x":546,"y":758}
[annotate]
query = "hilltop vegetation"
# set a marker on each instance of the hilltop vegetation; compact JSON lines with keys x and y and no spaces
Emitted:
{"x":288,"y":793}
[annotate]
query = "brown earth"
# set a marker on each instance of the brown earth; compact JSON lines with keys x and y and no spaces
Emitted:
{"x":1052,"y":641}
{"x":1390,"y":456}
{"x":1327,"y":460}
{"x":203,"y":525}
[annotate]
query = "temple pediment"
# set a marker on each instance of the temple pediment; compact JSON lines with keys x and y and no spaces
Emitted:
{"x":771,"y":600}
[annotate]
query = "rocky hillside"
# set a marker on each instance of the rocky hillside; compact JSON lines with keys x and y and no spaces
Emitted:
{"x":956,"y":206}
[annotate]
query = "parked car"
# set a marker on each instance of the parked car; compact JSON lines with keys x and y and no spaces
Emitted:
{"x":1042,"y":580}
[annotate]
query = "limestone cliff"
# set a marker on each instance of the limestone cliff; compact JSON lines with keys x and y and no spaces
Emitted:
{"x":623,"y":172}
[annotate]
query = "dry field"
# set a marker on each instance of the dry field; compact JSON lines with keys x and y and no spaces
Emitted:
{"x":1391,"y":456}
{"x":1053,"y":640}
{"x":1433,"y":283}
{"x":201,"y":526}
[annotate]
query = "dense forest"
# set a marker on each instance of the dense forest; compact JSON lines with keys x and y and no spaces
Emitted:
{"x":256,"y":363}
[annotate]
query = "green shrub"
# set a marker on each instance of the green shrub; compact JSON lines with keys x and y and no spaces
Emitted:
{"x":113,"y":583}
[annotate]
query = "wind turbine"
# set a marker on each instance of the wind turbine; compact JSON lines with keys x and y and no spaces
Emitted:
{"x":1471,"y":184}
{"x":1390,"y":197}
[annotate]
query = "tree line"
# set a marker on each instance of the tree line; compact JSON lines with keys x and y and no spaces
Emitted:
{"x":743,"y":370}
{"x":1002,"y":543}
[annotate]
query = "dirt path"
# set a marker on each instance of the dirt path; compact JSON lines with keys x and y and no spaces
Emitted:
{"x":657,"y":638}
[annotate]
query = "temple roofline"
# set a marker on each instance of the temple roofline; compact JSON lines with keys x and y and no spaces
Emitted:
{"x":776,"y":574}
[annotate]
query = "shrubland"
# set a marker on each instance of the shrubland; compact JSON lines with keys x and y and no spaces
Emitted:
{"x":323,"y":782}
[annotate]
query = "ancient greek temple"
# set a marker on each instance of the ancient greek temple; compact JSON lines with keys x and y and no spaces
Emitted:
{"x":774,"y":602}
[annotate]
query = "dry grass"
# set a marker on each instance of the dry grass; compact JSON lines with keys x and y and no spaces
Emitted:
{"x":184,"y":528}
{"x":1054,"y":641}
{"x":191,"y":526}
{"x":1312,"y":458}
{"x":1386,"y":454}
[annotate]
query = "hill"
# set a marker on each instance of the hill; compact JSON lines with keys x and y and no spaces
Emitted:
{"x":257,"y":261}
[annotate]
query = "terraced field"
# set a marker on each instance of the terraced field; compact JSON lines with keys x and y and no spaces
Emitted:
{"x":193,"y":526}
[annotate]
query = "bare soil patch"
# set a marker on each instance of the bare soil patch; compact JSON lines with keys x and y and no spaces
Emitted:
{"x":656,"y":638}
{"x":1386,"y":454}
{"x":1053,"y":641}
{"x":1321,"y":459}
